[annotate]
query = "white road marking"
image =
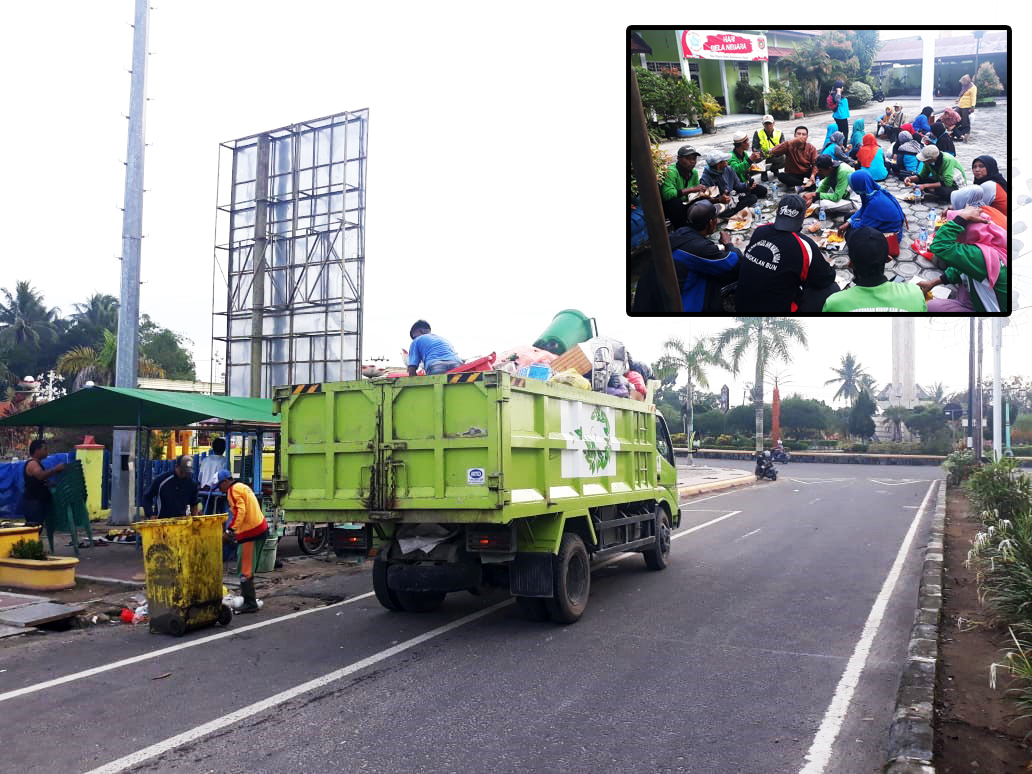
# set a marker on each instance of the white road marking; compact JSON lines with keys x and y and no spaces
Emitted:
{"x":192,"y":735}
{"x":171,"y":649}
{"x":690,"y":530}
{"x":820,"y":480}
{"x":820,"y":751}
{"x":747,"y":534}
{"x":899,"y":481}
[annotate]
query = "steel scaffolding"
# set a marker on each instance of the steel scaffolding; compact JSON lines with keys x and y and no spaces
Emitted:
{"x":290,"y":254}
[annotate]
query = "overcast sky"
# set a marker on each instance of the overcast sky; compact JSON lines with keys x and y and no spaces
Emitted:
{"x":495,"y":178}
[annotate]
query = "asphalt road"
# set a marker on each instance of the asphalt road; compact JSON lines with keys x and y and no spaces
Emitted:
{"x":725,"y":662}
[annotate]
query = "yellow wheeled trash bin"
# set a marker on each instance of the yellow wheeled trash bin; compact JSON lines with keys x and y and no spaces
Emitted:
{"x":182,"y":558}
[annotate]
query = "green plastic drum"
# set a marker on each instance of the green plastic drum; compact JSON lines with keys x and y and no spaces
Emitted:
{"x":567,"y":329}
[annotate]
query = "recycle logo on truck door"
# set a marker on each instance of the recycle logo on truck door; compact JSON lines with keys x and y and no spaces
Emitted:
{"x":590,"y":445}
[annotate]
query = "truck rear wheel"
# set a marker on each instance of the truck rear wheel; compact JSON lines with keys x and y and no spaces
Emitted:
{"x":384,"y":595}
{"x":657,"y":556}
{"x":571,"y":581}
{"x":420,"y":601}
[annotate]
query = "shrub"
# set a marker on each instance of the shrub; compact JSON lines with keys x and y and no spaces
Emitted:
{"x":28,"y":549}
{"x":779,"y":100}
{"x":797,"y":445}
{"x":679,"y":439}
{"x":749,"y":96}
{"x":987,"y":81}
{"x":959,"y":466}
{"x":859,"y":93}
{"x":660,"y":161}
{"x":994,"y":487}
{"x":855,"y":447}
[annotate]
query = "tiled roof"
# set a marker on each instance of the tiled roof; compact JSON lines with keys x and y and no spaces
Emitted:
{"x":779,"y":51}
{"x":912,"y":49}
{"x":801,"y":32}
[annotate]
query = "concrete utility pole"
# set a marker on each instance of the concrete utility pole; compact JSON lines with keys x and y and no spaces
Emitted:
{"x":979,"y":416}
{"x":123,"y":463}
{"x":971,"y":384}
{"x":997,"y":418}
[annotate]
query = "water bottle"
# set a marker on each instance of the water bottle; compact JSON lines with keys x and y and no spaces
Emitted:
{"x":822,"y":216}
{"x":931,"y":223}
{"x":918,"y":195}
{"x":775,"y":190}
{"x":923,"y":239}
{"x":756,"y":212}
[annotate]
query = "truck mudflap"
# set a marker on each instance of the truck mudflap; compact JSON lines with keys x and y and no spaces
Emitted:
{"x":531,"y":575}
{"x":433,"y":577}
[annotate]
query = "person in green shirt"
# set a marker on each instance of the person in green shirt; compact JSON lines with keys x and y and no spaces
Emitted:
{"x":833,"y":192}
{"x":741,"y":162}
{"x":975,"y":252}
{"x":682,"y":178}
{"x":939,"y":174}
{"x":868,"y":254}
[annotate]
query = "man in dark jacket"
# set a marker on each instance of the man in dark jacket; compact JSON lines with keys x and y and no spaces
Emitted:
{"x":783,"y":271}
{"x":718,"y":173}
{"x":174,"y":492}
{"x":702,"y":267}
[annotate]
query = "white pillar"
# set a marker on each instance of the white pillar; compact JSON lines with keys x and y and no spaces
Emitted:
{"x":723,"y":82}
{"x":928,"y":67}
{"x":766,"y":83}
{"x":997,"y":408}
{"x":641,"y":56}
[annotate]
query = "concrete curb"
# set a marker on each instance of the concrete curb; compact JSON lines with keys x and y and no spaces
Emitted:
{"x":690,"y":490}
{"x":111,"y":581}
{"x":911,"y":734}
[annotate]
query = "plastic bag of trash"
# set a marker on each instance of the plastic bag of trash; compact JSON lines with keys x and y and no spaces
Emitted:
{"x":572,"y":378}
{"x":141,"y":614}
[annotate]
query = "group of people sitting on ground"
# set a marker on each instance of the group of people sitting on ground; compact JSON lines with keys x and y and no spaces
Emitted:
{"x":784,"y":271}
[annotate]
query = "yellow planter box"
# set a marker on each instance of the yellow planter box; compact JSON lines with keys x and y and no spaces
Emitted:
{"x":57,"y":572}
{"x":11,"y":535}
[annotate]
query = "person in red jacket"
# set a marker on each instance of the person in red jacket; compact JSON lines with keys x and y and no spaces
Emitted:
{"x":246,"y":526}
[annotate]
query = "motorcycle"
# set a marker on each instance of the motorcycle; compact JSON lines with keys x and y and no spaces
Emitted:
{"x":780,"y":455}
{"x":765,"y":467}
{"x":878,"y":95}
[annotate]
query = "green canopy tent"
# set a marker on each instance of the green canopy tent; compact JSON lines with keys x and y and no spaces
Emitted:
{"x":127,"y":407}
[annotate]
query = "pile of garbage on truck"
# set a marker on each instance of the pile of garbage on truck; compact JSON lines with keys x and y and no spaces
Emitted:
{"x":570,"y":352}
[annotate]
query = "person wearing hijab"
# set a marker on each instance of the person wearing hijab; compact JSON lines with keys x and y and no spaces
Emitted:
{"x":841,"y":104}
{"x":974,"y":196}
{"x":878,"y":208}
{"x":904,"y":155}
{"x":832,"y":128}
{"x":856,"y":139}
{"x":883,"y":123}
{"x":975,"y":252}
{"x":834,"y":149}
{"x":907,"y":127}
{"x":942,"y":139}
{"x":965,"y":104}
{"x":987,"y":174}
{"x":939,"y":175}
{"x":871,"y":158}
{"x":921,"y":125}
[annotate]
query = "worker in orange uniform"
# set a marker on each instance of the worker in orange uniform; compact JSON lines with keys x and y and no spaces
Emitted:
{"x":246,"y":526}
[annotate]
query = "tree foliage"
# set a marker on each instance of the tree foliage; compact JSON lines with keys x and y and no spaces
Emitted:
{"x":166,"y":349}
{"x":805,"y":418}
{"x":849,"y":375}
{"x":861,"y":416}
{"x":987,"y":81}
{"x":926,"y":421}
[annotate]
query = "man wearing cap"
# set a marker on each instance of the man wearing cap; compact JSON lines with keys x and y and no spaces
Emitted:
{"x":868,"y":254}
{"x":833,"y":193}
{"x":245,"y":526}
{"x":702,"y":267}
{"x":734,"y":193}
{"x":435,"y":352}
{"x":764,"y":141}
{"x":783,"y":271}
{"x":799,"y":158}
{"x":682,"y":178}
{"x":741,"y":162}
{"x":939,"y":174}
{"x":889,"y":127}
{"x":174,"y":492}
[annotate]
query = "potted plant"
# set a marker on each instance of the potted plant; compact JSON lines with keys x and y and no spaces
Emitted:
{"x":709,"y":109}
{"x":29,"y":567}
{"x":779,"y":101}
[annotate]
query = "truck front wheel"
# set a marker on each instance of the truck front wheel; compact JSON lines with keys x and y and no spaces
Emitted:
{"x":571,"y":581}
{"x":384,"y":595}
{"x":657,"y":556}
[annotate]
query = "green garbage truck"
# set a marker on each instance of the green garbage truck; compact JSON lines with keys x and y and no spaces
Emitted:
{"x":462,"y":481}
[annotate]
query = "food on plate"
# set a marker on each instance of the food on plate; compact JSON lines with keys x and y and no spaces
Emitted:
{"x":940,"y":221}
{"x":811,"y":210}
{"x":835,"y":236}
{"x":756,"y":168}
{"x":814,"y":227}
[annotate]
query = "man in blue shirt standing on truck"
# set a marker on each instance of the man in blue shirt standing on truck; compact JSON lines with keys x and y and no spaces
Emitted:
{"x":435,"y":353}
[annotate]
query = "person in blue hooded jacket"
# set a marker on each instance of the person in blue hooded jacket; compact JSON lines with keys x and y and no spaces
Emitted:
{"x":921,"y":125}
{"x":878,"y":208}
{"x":856,"y":139}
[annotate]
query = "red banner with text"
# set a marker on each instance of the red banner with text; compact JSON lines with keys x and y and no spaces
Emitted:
{"x":713,"y":44}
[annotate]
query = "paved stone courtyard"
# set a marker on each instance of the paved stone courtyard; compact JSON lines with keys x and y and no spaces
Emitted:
{"x":988,"y":137}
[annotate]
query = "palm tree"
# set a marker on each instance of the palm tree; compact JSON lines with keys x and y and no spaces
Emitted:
{"x":938,"y":393}
{"x":851,"y":376}
{"x":88,"y":364}
{"x":24,"y":319}
{"x":691,"y":361}
{"x":772,"y":337}
{"x":897,"y":414}
{"x":811,"y":64}
{"x":868,"y":384}
{"x":99,"y":313}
